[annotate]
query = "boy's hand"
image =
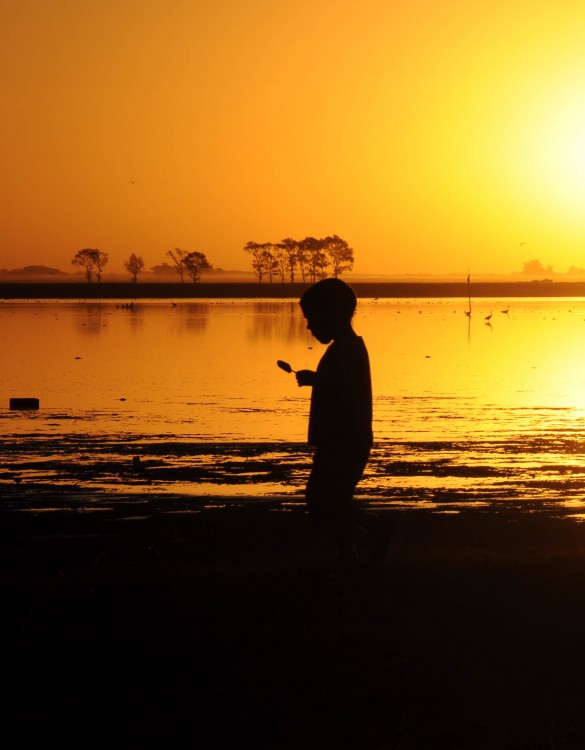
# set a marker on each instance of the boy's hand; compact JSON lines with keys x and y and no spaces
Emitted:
{"x":306,"y":377}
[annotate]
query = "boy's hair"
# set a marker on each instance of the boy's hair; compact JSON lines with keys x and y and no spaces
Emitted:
{"x":331,"y":296}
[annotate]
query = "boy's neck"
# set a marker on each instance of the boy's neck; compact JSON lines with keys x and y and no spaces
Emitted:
{"x":344,"y":333}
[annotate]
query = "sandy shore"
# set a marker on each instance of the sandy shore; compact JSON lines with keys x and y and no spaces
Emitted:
{"x":205,"y":290}
{"x":212,"y":627}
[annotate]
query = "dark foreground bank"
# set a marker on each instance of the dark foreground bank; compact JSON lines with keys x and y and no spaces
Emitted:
{"x":203,"y":290}
{"x":214,"y":629}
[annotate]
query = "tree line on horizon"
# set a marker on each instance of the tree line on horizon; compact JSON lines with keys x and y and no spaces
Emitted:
{"x":313,"y":258}
{"x":307,"y":260}
{"x":93,"y":261}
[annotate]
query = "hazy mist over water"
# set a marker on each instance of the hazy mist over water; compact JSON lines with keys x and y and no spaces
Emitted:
{"x":465,"y":410}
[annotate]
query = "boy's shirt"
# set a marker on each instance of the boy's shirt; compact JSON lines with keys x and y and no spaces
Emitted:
{"x":341,"y":400}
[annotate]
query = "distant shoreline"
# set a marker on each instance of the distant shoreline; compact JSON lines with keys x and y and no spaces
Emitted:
{"x":249,"y":290}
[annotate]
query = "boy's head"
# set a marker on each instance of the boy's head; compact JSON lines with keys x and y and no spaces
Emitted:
{"x":328,"y":306}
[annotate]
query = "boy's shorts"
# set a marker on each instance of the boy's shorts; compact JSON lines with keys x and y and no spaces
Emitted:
{"x":331,"y":484}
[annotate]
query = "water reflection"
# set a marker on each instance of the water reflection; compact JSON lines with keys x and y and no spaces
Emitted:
{"x":459,"y":406}
{"x":92,"y":318}
{"x":190,"y":317}
{"x":132,"y":313}
{"x":276,"y":320}
{"x":135,"y":320}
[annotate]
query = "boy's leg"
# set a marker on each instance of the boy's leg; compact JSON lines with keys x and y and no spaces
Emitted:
{"x":329,"y":497}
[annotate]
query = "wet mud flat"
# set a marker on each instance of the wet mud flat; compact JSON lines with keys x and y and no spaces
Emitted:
{"x":213,"y":626}
{"x":60,"y":468}
{"x":92,"y":470}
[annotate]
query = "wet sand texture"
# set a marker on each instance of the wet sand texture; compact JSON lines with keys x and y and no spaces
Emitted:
{"x":214,"y":629}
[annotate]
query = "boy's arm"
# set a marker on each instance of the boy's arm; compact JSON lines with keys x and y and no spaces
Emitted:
{"x":306,"y":377}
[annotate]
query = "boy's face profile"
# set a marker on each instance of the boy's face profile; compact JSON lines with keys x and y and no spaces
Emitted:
{"x":328,"y":307}
{"x":322,"y":328}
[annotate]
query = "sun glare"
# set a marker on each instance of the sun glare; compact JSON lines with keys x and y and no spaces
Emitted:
{"x":549,"y":148}
{"x":562,"y":150}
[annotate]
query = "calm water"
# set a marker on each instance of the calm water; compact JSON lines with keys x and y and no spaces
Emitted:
{"x":465,"y":411}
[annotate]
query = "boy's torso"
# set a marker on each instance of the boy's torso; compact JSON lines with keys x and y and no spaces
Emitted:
{"x":341,"y":401}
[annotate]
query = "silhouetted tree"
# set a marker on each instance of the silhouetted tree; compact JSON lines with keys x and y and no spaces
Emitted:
{"x":316,"y":262}
{"x":99,"y":261}
{"x":311,"y":256}
{"x":178,"y":257}
{"x":290,"y":249}
{"x":269,"y":260}
{"x":280,"y":260}
{"x":195,"y":263}
{"x":86,"y":259}
{"x":338,"y":253}
{"x":134,"y":266}
{"x":302,"y":260}
{"x":256,"y":251}
{"x":321,"y":264}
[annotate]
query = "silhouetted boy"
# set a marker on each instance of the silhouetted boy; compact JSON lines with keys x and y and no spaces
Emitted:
{"x":340,"y":421}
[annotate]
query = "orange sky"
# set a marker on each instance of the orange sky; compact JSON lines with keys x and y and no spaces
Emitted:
{"x":433,"y":135}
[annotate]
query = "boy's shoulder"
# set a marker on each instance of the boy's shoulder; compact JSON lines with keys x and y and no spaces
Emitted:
{"x":353,"y":343}
{"x":352,"y":347}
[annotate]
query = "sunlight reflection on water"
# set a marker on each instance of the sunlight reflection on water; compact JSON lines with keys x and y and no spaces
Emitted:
{"x":464,"y":412}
